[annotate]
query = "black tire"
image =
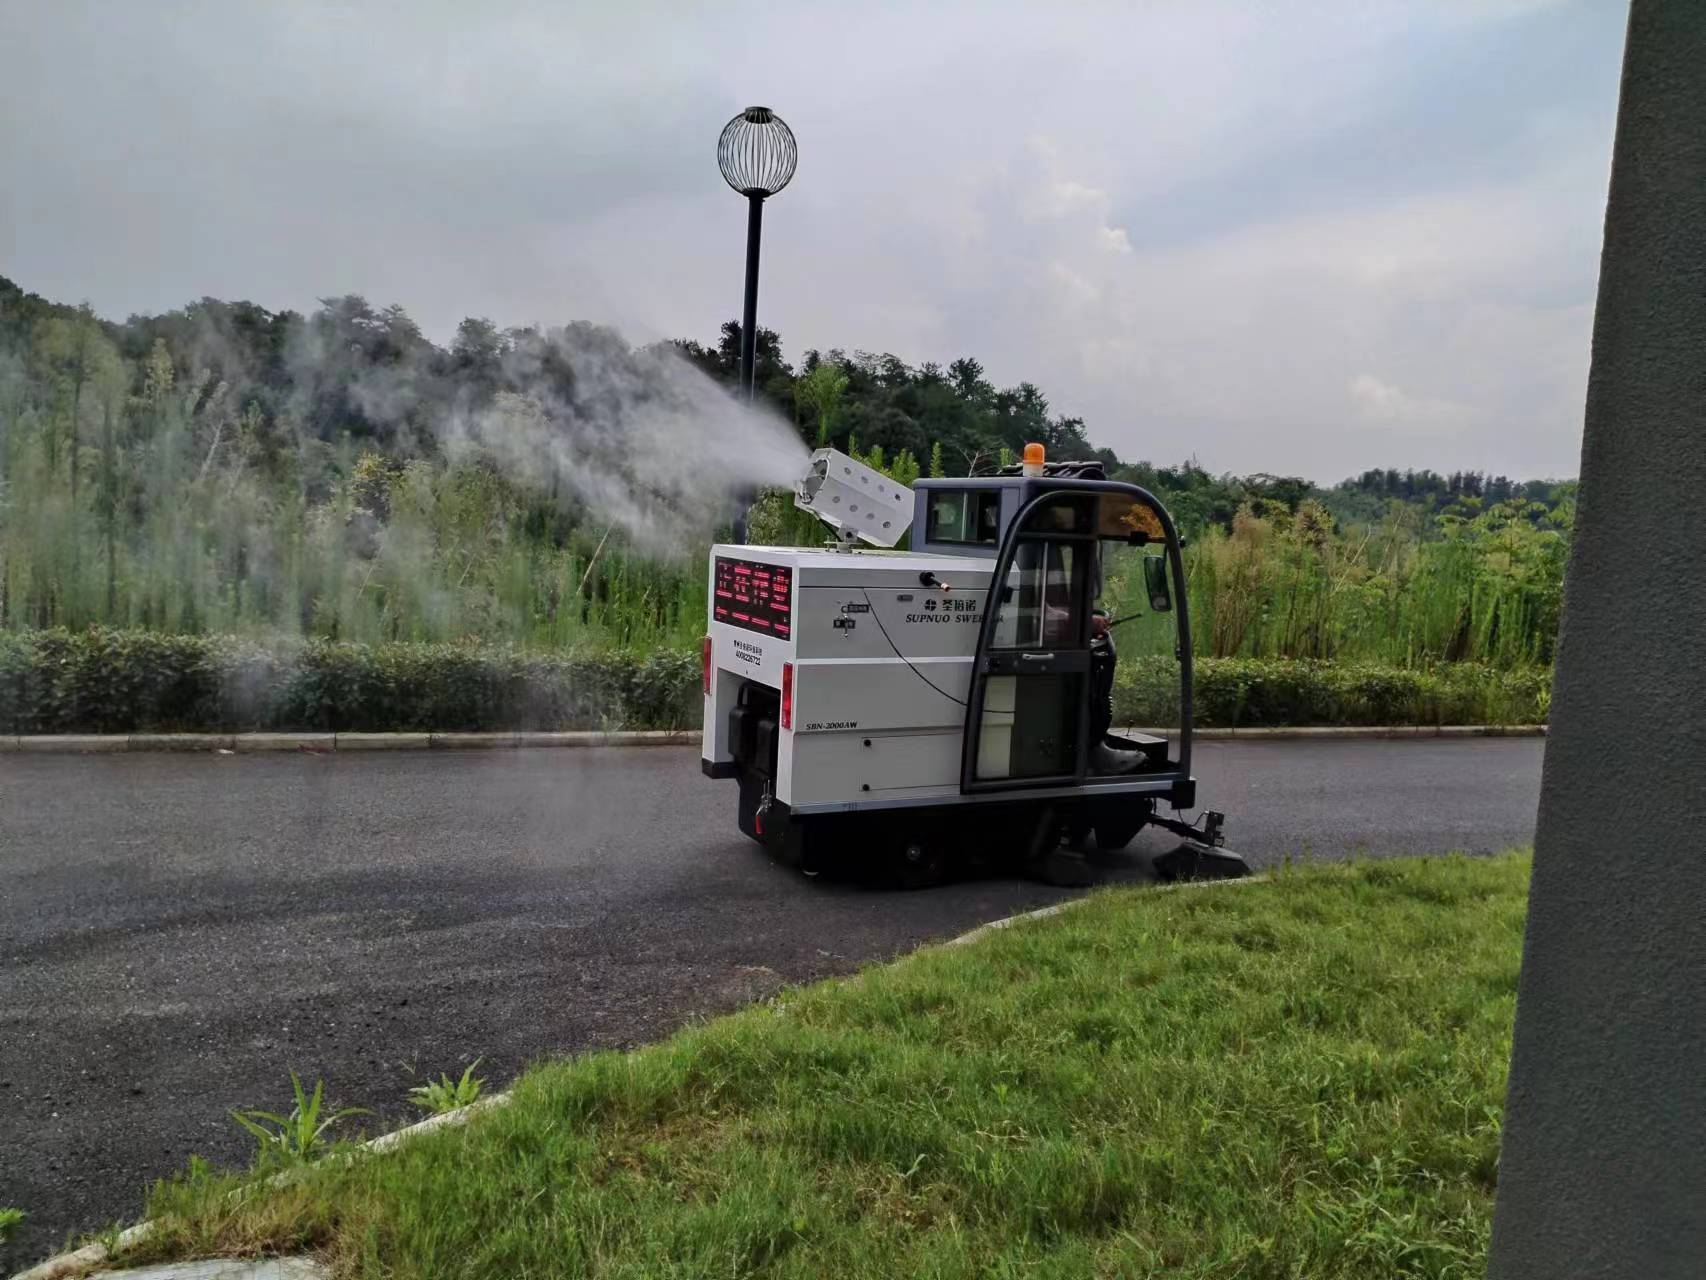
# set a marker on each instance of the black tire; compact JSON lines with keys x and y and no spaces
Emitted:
{"x":920,"y":865}
{"x":1114,"y":831}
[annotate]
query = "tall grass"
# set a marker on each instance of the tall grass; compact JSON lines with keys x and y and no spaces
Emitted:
{"x":164,"y":509}
{"x":1285,"y":585}
{"x":188,"y":537}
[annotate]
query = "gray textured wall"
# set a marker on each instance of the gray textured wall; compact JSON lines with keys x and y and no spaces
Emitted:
{"x":1603,"y":1171}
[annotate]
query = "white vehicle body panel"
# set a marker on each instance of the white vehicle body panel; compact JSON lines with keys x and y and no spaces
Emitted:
{"x":867,"y":725}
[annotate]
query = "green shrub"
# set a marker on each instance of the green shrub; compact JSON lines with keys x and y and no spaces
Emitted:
{"x":108,"y":681}
{"x":444,"y":1094}
{"x":299,"y":1135}
{"x":1256,"y":692}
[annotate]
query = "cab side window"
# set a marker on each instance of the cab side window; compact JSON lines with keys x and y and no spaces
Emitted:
{"x":964,"y":516}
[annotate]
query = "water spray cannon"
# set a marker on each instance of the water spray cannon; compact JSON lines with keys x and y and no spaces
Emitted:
{"x":856,"y":501}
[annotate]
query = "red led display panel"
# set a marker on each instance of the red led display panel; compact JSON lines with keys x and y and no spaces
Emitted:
{"x":755,"y":596}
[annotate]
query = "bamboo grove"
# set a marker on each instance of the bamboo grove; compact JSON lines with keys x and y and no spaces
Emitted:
{"x":196,"y":473}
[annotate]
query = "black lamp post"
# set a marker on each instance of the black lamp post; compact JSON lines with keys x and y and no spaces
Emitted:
{"x":756,"y":153}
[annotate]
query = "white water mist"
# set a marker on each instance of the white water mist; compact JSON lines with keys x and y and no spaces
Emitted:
{"x":642,"y":438}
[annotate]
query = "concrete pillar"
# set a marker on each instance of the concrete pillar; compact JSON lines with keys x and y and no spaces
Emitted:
{"x":1603,"y":1170}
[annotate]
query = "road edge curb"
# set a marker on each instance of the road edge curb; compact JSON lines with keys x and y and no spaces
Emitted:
{"x":1055,"y":909}
{"x":327,"y":743}
{"x":79,"y":1262}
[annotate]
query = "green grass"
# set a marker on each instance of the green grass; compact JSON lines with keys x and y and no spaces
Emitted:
{"x":444,"y":1094}
{"x":1301,"y":1077}
{"x":296,"y":1136}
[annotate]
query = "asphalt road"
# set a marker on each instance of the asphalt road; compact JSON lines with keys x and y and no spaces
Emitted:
{"x":178,"y":932}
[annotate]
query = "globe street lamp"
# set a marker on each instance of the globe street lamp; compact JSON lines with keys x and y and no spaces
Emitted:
{"x":756,"y":153}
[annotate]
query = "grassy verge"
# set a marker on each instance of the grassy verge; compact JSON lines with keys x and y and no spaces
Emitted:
{"x":1301,"y":1077}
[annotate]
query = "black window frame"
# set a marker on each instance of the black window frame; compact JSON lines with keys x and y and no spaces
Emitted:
{"x":988,"y":499}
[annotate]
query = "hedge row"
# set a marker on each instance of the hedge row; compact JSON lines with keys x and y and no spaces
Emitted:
{"x":104,"y":681}
{"x":1255,"y":692}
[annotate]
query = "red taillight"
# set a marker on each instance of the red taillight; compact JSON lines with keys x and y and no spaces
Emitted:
{"x":787,"y":695}
{"x":705,"y":675}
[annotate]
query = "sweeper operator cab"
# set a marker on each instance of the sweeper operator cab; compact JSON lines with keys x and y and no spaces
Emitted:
{"x":906,"y":706}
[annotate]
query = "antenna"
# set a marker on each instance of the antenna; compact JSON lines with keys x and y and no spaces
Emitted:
{"x":856,"y":501}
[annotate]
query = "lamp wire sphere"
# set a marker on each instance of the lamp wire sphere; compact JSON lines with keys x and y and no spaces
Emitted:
{"x":756,"y":152}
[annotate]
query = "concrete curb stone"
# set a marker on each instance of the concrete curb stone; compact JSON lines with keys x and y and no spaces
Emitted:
{"x":224,"y":1269}
{"x":283,"y":741}
{"x":181,"y":742}
{"x":382,"y":742}
{"x":79,"y":1263}
{"x":246,"y":742}
{"x":61,"y":743}
{"x":472,"y":741}
{"x":613,"y":738}
{"x":1042,"y":913}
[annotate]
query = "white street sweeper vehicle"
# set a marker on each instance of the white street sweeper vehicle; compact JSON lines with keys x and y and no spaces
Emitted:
{"x":904,"y":707}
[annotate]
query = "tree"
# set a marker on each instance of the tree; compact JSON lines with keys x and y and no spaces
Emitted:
{"x":966,"y":377}
{"x":64,"y":347}
{"x":767,"y":362}
{"x":820,"y":393}
{"x":478,"y":350}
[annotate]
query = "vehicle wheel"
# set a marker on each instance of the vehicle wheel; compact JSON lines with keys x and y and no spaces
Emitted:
{"x":789,"y":847}
{"x":920,"y":866}
{"x":1116,"y":831}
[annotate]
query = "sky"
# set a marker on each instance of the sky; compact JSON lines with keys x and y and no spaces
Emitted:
{"x":1299,"y":238}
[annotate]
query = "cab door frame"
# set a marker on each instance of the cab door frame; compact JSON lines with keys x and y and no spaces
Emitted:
{"x":1021,"y":662}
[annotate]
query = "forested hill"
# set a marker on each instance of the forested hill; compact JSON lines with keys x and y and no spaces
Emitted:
{"x":299,"y":375}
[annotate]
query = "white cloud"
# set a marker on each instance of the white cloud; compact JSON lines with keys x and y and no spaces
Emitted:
{"x":1446,"y":329}
{"x":1197,"y":226}
{"x":1114,"y":239}
{"x":1382,"y":402}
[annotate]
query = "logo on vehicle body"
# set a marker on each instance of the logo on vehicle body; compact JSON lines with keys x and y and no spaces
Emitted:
{"x":951,"y":609}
